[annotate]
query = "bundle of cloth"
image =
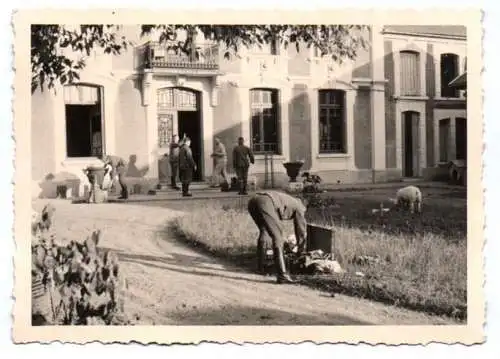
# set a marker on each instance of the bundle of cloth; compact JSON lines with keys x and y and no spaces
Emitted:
{"x":108,"y":178}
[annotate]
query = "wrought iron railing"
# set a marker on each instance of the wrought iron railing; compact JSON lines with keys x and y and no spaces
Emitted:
{"x":163,"y":55}
{"x":327,"y":146}
{"x":262,"y":148}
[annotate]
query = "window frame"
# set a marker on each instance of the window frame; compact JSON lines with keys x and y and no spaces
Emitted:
{"x":418,"y":74}
{"x":260,"y":105}
{"x":445,"y":83}
{"x":100,"y":103}
{"x":331,"y":107}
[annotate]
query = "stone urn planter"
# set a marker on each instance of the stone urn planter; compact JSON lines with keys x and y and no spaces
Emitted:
{"x":94,"y":174}
{"x":293,"y":169}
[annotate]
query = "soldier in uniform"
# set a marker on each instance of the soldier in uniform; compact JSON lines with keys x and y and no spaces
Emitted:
{"x":118,"y":165}
{"x":242,"y":157}
{"x":268,"y":209}
{"x":186,"y":166}
{"x":220,"y":162}
{"x":173,"y":158}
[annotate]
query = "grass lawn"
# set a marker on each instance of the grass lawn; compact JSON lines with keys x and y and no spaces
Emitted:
{"x":422,"y":259}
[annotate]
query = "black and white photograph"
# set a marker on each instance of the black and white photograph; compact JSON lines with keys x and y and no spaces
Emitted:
{"x":263,"y":175}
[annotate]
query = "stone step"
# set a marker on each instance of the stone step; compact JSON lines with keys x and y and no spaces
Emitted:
{"x":195,"y":186}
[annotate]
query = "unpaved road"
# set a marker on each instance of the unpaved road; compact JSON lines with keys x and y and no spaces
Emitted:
{"x":172,"y":284}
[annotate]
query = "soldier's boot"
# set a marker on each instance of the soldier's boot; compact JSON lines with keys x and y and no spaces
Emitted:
{"x":279,"y":260}
{"x":185,"y":190}
{"x":173,"y":184}
{"x":244,"y":191}
{"x":123,"y":192}
{"x":240,"y":186}
{"x":261,"y":256}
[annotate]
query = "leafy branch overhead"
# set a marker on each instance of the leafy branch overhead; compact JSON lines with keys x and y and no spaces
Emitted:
{"x":338,"y":41}
{"x":59,"y":53}
{"x":52,"y":47}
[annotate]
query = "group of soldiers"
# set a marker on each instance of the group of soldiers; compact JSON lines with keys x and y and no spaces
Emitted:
{"x":182,"y":163}
{"x":267,"y":208}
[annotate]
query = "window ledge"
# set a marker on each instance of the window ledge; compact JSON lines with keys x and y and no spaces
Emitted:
{"x":411,"y":98}
{"x":461,"y":99}
{"x":81,"y":161}
{"x":262,"y":157}
{"x":333,"y":155}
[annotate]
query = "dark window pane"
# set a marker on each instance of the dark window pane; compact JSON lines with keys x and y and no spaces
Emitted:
{"x":265,"y":125}
{"x":270,"y":129}
{"x":449,"y":70}
{"x":256,"y":136}
{"x":331,"y":122}
{"x":461,"y":138}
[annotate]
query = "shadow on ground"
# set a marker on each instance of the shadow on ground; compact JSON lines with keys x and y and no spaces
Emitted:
{"x":244,"y":315}
{"x":192,"y":265}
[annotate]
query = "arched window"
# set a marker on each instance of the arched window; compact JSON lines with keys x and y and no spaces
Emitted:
{"x":449,"y":70}
{"x":410,"y":73}
{"x":265,"y":121}
{"x":332,"y":129}
{"x":84,"y":120}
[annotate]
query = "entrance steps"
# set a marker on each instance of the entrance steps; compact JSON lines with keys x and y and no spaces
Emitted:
{"x":412,"y":179}
{"x":193,"y":187}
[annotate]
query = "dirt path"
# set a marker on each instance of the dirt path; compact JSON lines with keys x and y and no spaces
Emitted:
{"x":172,"y":284}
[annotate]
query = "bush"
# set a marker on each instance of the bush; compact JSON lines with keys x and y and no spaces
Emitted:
{"x":420,"y":262}
{"x":74,"y":283}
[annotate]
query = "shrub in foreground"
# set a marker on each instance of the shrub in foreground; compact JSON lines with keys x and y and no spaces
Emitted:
{"x":74,"y":283}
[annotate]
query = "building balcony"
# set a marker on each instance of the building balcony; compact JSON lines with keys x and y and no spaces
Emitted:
{"x":161,"y":57}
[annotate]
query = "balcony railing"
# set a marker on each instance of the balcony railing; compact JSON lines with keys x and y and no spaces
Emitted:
{"x":156,"y":55}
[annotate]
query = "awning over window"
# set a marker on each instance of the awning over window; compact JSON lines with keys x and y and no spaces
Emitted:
{"x":81,"y":95}
{"x":459,"y":82}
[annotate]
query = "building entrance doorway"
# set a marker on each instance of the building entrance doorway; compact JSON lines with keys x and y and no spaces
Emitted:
{"x":179,"y":112}
{"x":411,"y":143}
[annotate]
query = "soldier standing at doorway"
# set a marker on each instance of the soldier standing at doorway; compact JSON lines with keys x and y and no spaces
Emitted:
{"x":242,"y":158}
{"x":174,"y":161}
{"x":220,"y":162}
{"x":268,"y":209}
{"x":186,"y":166}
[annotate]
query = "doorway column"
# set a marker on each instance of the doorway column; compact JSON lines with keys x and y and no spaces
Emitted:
{"x":452,"y":148}
{"x":378,"y":100}
{"x":148,"y":100}
{"x":399,"y":140}
{"x":422,"y":148}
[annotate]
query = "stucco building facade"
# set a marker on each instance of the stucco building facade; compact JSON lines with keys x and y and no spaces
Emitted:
{"x":384,"y":116}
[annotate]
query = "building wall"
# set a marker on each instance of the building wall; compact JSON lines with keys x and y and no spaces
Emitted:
{"x":299,"y":63}
{"x":429,"y":99}
{"x":362,"y":130}
{"x":43,"y":138}
{"x":131,"y":120}
{"x":131,"y":126}
{"x":228,"y":118}
{"x":390,"y":109}
{"x":300,"y":125}
{"x":128,"y":59}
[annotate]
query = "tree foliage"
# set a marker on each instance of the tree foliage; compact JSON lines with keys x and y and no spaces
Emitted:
{"x":50,"y":44}
{"x":338,"y":41}
{"x":51,"y":64}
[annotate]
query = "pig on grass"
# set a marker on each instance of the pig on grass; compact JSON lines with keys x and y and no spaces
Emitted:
{"x":409,"y":198}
